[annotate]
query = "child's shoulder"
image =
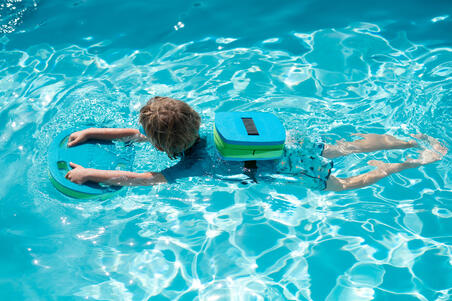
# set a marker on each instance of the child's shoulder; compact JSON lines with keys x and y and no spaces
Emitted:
{"x":198,"y":150}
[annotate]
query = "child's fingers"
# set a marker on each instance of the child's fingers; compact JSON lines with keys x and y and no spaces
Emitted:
{"x":73,"y":136}
{"x":73,"y":165}
{"x":74,"y":141}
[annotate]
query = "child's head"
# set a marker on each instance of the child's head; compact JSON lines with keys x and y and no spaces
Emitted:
{"x":171,"y":125}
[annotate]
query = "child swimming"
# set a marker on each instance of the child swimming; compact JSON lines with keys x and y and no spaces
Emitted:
{"x":172,"y":126}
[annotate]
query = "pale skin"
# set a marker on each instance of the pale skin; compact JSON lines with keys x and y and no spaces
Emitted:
{"x":80,"y":175}
{"x":368,"y":143}
{"x":374,"y":142}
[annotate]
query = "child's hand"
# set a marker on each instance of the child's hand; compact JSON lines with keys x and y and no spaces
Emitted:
{"x":78,"y":174}
{"x":78,"y":137}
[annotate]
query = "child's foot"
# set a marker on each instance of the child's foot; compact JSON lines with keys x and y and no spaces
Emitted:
{"x":442,"y":150}
{"x":426,"y":156}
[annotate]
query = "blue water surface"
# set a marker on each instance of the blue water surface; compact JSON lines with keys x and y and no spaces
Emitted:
{"x":326,"y":68}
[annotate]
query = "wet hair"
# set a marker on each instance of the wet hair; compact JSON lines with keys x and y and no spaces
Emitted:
{"x":170,"y":124}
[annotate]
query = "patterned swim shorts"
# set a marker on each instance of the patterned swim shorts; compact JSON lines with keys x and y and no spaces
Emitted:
{"x":304,"y":162}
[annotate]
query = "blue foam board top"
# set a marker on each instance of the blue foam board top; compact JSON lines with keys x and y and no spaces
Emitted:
{"x":231,"y":128}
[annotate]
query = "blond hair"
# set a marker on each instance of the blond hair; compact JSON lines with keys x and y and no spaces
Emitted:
{"x":171,"y":125}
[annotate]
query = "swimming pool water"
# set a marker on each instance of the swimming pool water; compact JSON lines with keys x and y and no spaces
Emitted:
{"x":326,"y":69}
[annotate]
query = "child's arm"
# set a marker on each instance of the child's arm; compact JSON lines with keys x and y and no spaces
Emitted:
{"x":103,"y":134}
{"x":80,"y":175}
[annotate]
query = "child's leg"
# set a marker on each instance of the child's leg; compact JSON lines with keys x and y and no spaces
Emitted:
{"x":383,"y":170}
{"x":369,"y":143}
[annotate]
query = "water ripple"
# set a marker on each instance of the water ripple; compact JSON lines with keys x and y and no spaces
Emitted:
{"x":12,"y":13}
{"x":210,"y":239}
